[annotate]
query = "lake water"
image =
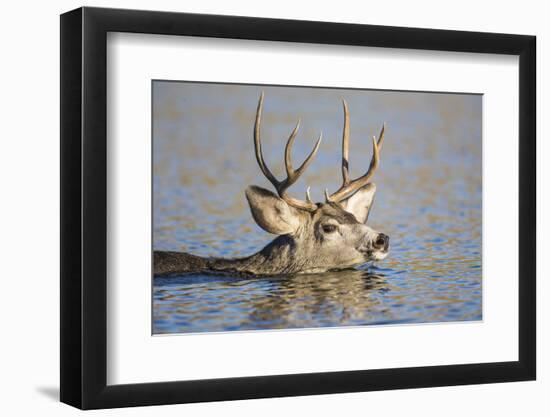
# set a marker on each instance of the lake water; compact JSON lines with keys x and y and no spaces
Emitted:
{"x":428,"y":202}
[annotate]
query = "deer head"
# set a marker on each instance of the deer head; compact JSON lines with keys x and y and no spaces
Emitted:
{"x":322,"y":236}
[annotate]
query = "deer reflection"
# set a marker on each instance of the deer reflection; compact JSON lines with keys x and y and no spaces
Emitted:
{"x":345,"y":297}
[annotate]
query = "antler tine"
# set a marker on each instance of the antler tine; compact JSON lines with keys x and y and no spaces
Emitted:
{"x":349,"y":187}
{"x":288,"y":149}
{"x":381,"y":136}
{"x":258,"y":144}
{"x":292,"y":174}
{"x":308,"y":195}
{"x":345,"y":145}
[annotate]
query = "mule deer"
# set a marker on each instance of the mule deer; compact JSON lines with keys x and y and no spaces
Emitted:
{"x":312,"y":238}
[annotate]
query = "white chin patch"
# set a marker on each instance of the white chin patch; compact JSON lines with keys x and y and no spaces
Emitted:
{"x":378,"y":256}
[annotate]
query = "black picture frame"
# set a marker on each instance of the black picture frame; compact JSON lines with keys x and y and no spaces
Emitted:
{"x":84,"y":207}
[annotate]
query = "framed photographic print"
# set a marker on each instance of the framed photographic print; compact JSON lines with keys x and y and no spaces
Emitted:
{"x":257,"y":208}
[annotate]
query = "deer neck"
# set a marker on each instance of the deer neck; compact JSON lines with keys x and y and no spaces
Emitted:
{"x":278,"y":257}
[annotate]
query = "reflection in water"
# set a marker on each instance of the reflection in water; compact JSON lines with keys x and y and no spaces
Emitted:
{"x":428,"y":202}
{"x":300,"y":300}
{"x":344,"y":297}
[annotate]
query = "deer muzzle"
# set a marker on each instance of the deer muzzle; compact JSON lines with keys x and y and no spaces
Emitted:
{"x":375,"y":248}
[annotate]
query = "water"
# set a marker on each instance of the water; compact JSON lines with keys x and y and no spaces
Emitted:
{"x":428,"y":202}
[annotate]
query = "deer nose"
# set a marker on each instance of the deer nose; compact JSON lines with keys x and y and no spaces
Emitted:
{"x":382,"y":241}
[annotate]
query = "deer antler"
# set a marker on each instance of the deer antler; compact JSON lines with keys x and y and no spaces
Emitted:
{"x":292,"y":174}
{"x":351,"y":186}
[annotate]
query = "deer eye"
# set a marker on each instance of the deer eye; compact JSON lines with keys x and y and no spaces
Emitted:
{"x":329,"y":228}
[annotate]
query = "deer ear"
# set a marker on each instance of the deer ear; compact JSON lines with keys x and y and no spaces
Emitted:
{"x":360,"y":203}
{"x":272,"y":213}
